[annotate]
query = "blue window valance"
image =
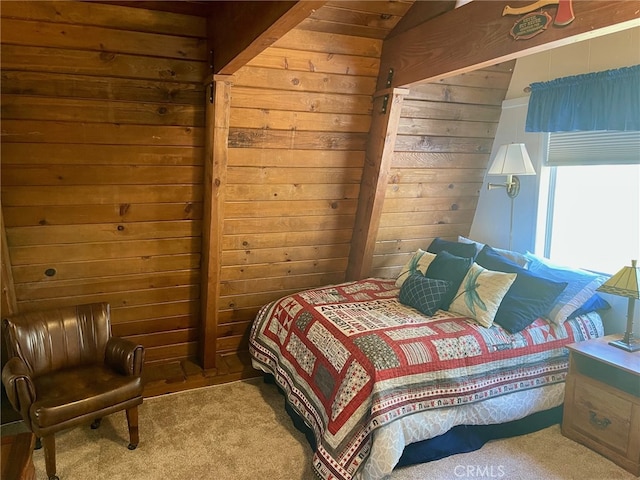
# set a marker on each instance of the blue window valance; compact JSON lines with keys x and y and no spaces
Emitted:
{"x":608,"y":100}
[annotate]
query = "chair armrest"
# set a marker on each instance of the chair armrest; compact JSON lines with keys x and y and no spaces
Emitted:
{"x":124,"y":356}
{"x":19,"y":386}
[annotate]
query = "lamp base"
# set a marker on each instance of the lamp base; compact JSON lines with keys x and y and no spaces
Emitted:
{"x":632,"y":346}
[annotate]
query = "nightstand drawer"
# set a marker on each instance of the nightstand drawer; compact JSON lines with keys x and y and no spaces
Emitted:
{"x":602,"y":416}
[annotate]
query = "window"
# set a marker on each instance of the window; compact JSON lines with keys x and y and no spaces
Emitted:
{"x":593,"y":211}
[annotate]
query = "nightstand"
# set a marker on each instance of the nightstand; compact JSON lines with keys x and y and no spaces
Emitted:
{"x":17,"y":461}
{"x":602,"y":401}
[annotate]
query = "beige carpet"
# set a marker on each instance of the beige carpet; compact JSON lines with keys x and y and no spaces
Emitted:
{"x":240,"y":431}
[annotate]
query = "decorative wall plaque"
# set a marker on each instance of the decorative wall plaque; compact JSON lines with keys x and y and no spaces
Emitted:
{"x":530,"y":25}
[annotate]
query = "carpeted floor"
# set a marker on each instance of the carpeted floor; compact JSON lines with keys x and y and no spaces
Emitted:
{"x":240,"y":431}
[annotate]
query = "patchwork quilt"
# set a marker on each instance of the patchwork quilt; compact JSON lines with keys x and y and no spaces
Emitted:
{"x":351,"y":358}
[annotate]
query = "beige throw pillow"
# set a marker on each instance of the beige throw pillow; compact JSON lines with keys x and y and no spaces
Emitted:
{"x":419,"y":262}
{"x":481,"y":293}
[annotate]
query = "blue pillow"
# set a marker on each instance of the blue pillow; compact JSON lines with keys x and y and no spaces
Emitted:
{"x":581,"y":286}
{"x":465,"y":250}
{"x":595,"y":303}
{"x":515,"y":257}
{"x":450,"y":268}
{"x":529,"y":297}
{"x":424,"y":294}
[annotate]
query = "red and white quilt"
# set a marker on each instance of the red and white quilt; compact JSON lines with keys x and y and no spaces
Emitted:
{"x":351,"y":358}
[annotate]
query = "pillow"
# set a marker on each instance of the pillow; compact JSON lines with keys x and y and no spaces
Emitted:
{"x":424,"y":294}
{"x":417,"y":263}
{"x":596,"y":302}
{"x":515,"y":257}
{"x":451,"y":268}
{"x":529,"y":298}
{"x":581,"y":286}
{"x":481,"y":293}
{"x":478,"y":245}
{"x":465,"y":250}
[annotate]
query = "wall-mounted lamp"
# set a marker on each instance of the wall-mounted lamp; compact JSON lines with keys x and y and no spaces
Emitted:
{"x":512,"y":159}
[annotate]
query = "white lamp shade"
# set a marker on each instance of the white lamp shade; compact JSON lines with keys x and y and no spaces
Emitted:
{"x":512,"y":159}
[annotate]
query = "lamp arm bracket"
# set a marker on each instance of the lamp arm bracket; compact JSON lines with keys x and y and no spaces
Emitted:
{"x":512,"y":185}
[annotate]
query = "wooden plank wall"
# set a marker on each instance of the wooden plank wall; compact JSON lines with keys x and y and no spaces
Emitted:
{"x":300,"y":117}
{"x":102,"y":162}
{"x":442,"y":150}
{"x":298,"y":130}
{"x":102,"y":137}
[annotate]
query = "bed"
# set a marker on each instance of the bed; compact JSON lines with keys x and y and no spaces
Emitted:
{"x":371,"y":371}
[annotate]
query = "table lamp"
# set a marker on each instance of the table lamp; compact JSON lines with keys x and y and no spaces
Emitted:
{"x":625,"y":283}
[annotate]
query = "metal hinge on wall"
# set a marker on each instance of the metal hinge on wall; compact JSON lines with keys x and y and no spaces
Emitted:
{"x":385,"y":100}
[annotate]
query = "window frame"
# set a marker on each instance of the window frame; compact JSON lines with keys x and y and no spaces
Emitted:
{"x":547,"y":196}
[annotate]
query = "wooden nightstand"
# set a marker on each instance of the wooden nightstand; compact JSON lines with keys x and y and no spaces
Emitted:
{"x":17,"y":461}
{"x":602,"y":401}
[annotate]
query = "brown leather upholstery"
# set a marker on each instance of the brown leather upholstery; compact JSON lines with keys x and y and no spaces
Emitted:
{"x":65,"y":369}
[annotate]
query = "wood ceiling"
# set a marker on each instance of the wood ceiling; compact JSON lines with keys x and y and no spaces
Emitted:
{"x":371,"y":19}
{"x":418,"y":48}
{"x":238,"y":30}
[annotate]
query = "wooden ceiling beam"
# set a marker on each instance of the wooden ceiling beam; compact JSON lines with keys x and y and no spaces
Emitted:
{"x":476,"y":35}
{"x":421,"y":12}
{"x":387,"y":107}
{"x":238,"y":31}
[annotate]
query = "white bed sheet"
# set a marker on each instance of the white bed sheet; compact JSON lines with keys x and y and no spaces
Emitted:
{"x":389,"y":441}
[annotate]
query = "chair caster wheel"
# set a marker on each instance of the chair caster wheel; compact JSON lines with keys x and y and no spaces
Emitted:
{"x":96,"y":423}
{"x":131,"y":446}
{"x":54,"y":477}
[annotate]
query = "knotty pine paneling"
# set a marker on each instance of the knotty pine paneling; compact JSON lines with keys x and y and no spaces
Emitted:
{"x":102,"y":164}
{"x":366,"y":19}
{"x":445,"y":136}
{"x":91,"y":37}
{"x":147,"y":71}
{"x":340,"y":64}
{"x":93,"y":13}
{"x":299,"y":122}
{"x":103,"y":136}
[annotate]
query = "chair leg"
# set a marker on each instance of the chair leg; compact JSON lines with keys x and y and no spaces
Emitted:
{"x":49,"y":443}
{"x":38,"y":444}
{"x":96,"y":423}
{"x":132,"y":421}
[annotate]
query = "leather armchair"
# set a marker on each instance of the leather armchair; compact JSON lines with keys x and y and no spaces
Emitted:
{"x":65,"y":369}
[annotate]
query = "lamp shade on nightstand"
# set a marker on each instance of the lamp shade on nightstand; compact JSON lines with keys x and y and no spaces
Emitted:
{"x":625,"y":283}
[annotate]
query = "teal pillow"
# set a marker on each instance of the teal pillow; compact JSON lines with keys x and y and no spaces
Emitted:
{"x":424,"y":294}
{"x":466,"y":250}
{"x":530,"y":296}
{"x":450,"y":268}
